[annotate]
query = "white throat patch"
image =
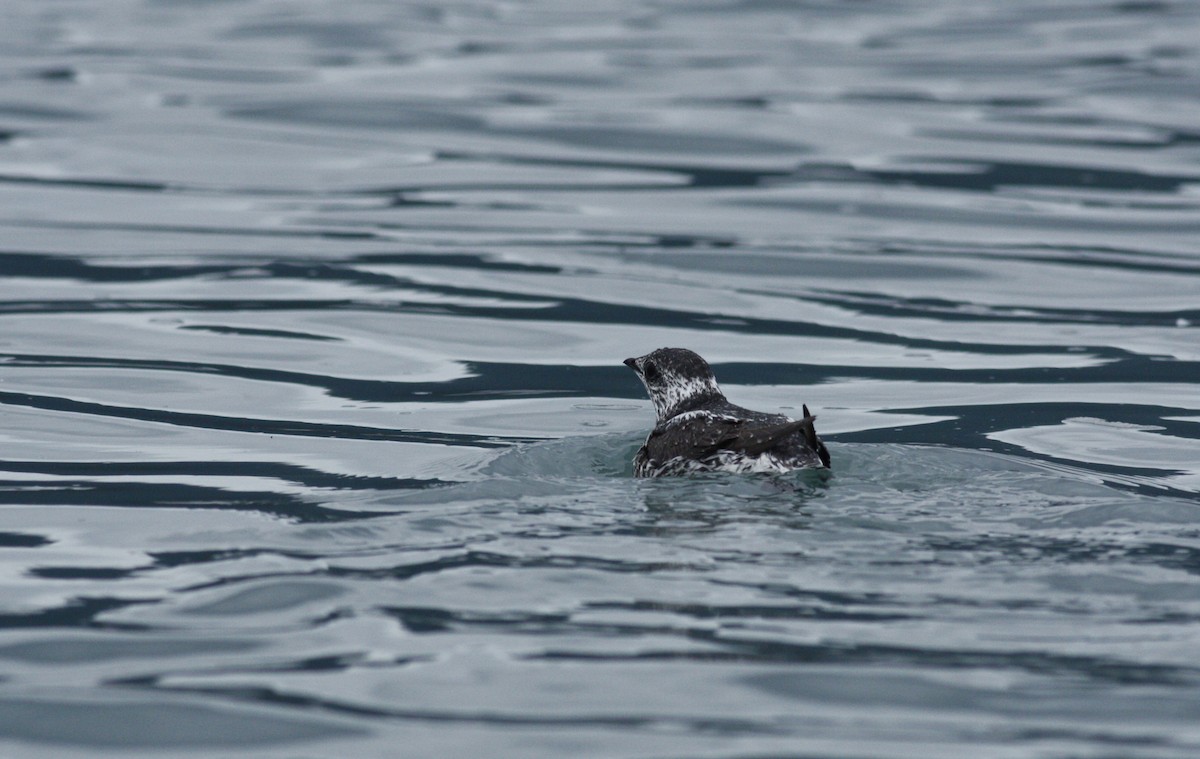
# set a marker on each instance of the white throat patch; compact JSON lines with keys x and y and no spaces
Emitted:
{"x":670,"y":398}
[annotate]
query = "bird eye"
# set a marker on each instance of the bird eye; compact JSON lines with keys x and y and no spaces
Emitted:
{"x":650,"y":371}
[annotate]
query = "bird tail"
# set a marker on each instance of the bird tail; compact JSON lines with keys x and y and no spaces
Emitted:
{"x":810,"y":429}
{"x":810,"y":436}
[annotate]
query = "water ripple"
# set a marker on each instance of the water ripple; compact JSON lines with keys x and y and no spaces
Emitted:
{"x":315,"y":439}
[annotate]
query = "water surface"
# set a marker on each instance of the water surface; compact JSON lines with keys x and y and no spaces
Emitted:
{"x":315,"y":440}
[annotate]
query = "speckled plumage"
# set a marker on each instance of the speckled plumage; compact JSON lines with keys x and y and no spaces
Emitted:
{"x":699,"y":430}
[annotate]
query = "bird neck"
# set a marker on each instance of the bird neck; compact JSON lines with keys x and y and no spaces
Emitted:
{"x":685,"y":396}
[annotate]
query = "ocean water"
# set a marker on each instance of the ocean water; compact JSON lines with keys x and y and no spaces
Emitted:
{"x":315,"y":439}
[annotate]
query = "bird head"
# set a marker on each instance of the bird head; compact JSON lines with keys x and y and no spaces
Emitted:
{"x":676,"y":379}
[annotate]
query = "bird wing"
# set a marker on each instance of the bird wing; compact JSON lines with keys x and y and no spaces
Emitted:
{"x":692,"y":437}
{"x":697,"y":435}
{"x":756,"y":438}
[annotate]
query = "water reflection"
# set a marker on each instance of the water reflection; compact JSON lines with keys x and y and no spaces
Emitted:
{"x":314,"y":435}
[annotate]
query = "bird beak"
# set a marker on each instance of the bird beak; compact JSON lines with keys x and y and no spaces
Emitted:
{"x":631,"y":363}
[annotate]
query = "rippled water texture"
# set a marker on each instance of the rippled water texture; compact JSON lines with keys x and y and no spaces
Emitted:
{"x":315,"y":439}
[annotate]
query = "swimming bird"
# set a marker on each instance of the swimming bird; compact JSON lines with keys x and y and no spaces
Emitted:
{"x":698,"y":430}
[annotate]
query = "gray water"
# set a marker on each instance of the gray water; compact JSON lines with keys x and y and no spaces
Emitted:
{"x":315,"y":439}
